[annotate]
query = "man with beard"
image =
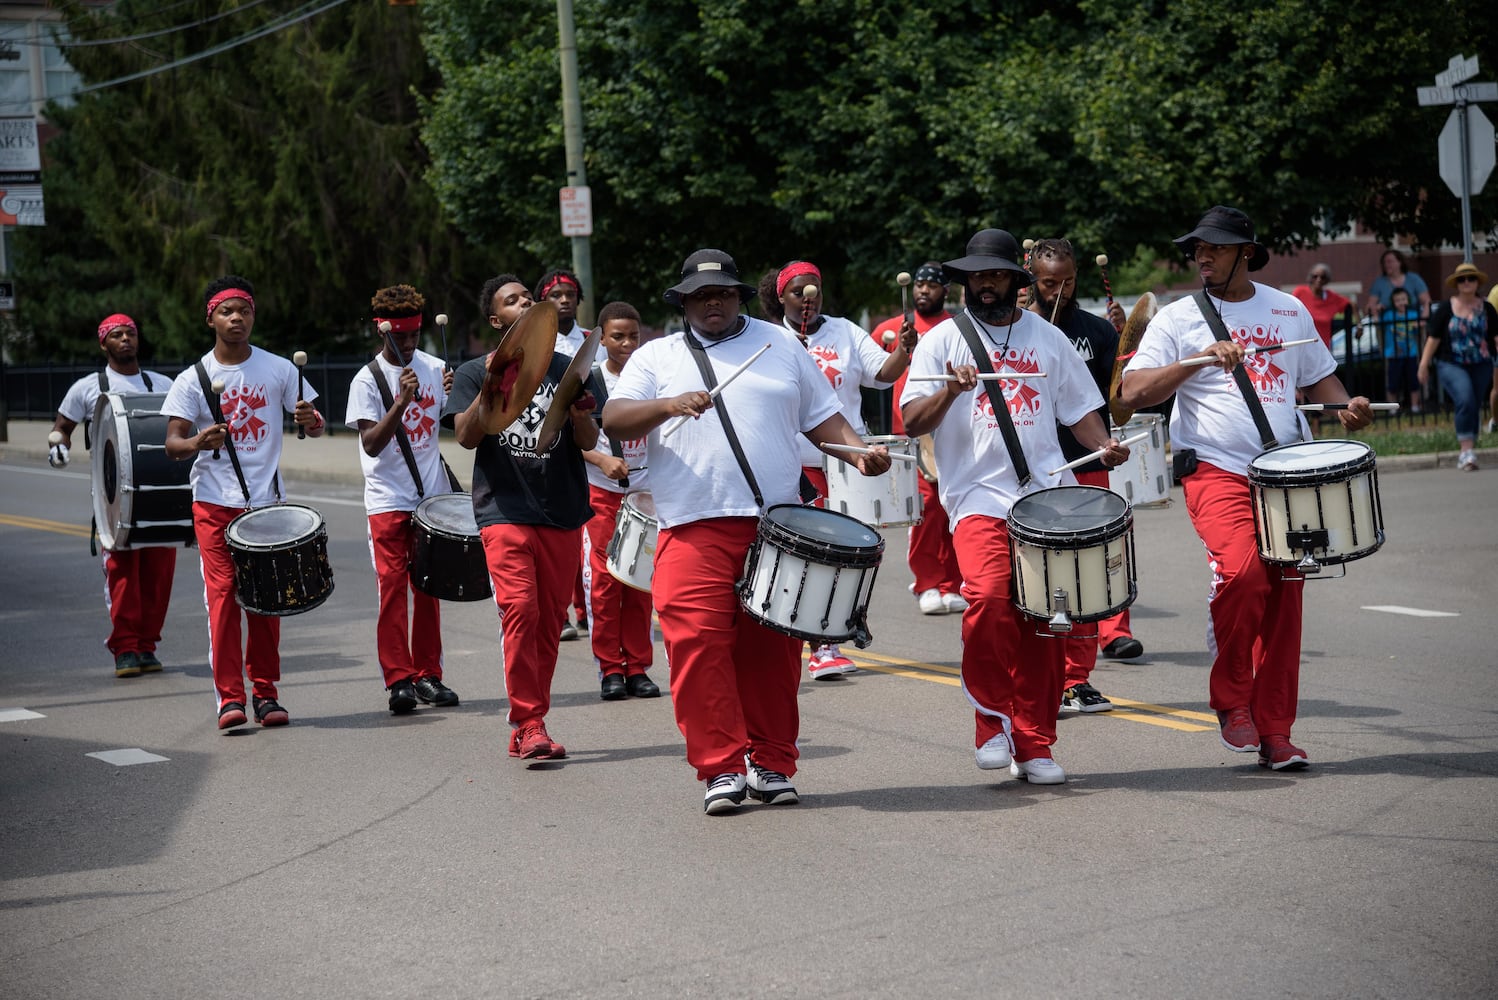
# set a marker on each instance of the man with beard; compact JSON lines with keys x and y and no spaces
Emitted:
{"x":1254,"y":608}
{"x":1011,"y":674}
{"x":932,"y":560}
{"x":733,"y":679}
{"x":137,"y":582}
{"x":1054,"y":264}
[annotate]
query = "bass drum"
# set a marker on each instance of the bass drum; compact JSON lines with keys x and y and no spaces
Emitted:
{"x":141,"y":497}
{"x":280,"y":558}
{"x":447,"y":554}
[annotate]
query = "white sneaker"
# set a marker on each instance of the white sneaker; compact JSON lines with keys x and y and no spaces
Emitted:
{"x":932,"y":603}
{"x":828,"y":663}
{"x":954,"y":603}
{"x":770,"y":787}
{"x":994,"y":754}
{"x":1467,"y":461}
{"x":725,"y":793}
{"x":1040,"y":771}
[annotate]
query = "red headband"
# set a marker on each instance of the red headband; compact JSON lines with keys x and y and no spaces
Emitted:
{"x":793,"y":271}
{"x":117,"y":320}
{"x":226,"y":295}
{"x":399,"y":324}
{"x":560,"y":279}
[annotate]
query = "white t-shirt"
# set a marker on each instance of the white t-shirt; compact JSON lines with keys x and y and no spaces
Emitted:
{"x":976,"y":474}
{"x":776,"y":399}
{"x":83,"y":395}
{"x":570,"y":341}
{"x":850,"y":360}
{"x":634,"y":452}
{"x":387,"y":481}
{"x":254,"y":394}
{"x":1210,"y":414}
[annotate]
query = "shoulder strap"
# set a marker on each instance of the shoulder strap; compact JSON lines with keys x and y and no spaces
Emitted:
{"x":710,"y":379}
{"x":602,"y":393}
{"x":1250,"y":396}
{"x":996,"y":398}
{"x":217,"y":413}
{"x":400,"y":428}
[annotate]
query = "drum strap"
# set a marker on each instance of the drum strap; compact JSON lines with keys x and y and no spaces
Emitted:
{"x":602,"y":393}
{"x":217,"y":412}
{"x":400,"y":428}
{"x":710,"y":379}
{"x":995,"y":398}
{"x":1240,"y":375}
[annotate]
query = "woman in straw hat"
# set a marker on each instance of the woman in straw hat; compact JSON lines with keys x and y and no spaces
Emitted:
{"x":1461,"y":342}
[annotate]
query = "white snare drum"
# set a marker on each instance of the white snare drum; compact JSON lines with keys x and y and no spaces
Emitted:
{"x":447,"y":554}
{"x":141,"y":497}
{"x":631,"y":555}
{"x":280,"y":558}
{"x":1072,"y":550}
{"x":1316,"y":503}
{"x":810,"y":573}
{"x":1143,"y":480}
{"x":883,"y":501}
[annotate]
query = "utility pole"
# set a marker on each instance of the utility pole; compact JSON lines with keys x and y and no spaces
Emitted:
{"x":578,"y":224}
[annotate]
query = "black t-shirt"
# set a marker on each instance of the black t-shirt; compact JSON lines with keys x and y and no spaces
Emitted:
{"x":512,"y":484}
{"x":1096,"y":341}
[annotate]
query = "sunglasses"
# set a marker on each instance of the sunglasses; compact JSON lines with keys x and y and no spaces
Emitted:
{"x":1466,"y":277}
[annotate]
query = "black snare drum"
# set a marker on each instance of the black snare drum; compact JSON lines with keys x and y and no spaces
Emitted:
{"x":280,"y":558}
{"x":447,"y":555}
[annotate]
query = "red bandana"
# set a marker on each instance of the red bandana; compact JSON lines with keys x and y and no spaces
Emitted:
{"x":560,"y":279}
{"x":793,"y":271}
{"x":226,"y":295}
{"x":117,"y":320}
{"x":399,"y":324}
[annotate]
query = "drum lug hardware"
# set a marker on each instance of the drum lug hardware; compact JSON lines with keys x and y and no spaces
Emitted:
{"x":1308,"y":565}
{"x":1060,"y":619}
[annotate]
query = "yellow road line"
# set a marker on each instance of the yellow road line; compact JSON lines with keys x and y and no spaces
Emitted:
{"x":1180,"y":713}
{"x":37,"y":524}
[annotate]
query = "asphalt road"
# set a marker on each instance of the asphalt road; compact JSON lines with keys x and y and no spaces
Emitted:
{"x":353,"y":854}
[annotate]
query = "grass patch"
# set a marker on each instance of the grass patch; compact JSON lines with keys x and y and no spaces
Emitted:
{"x":1415,"y":434}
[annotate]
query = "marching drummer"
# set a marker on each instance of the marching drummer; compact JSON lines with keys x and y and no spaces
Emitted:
{"x":733,"y":680}
{"x":619,"y":614}
{"x":402,"y":464}
{"x":1220,"y":423}
{"x":996,"y":441}
{"x":233,"y":434}
{"x":530,"y":505}
{"x":137,"y":582}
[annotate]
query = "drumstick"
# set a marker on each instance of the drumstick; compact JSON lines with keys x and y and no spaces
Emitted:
{"x":896,"y":455}
{"x":1102,"y":266}
{"x":808,"y":292}
{"x":982,"y":377}
{"x":713,"y":393}
{"x":1386,"y":407}
{"x":903,"y":278}
{"x":441,"y":322}
{"x":1126,"y":442}
{"x":217,"y":385}
{"x":300,"y":360}
{"x":1211,"y":359}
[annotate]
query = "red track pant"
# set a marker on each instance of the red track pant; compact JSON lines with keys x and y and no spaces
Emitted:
{"x":137,"y":590}
{"x":1253,"y":615}
{"x":932,"y":558}
{"x":1010,"y":673}
{"x":817,"y":476}
{"x":1081,"y":652}
{"x":406,"y":650}
{"x":531,"y":568}
{"x":261,"y":655}
{"x":733,"y":681}
{"x":618,"y":615}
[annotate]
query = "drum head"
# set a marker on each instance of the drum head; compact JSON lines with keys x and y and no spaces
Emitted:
{"x":642,"y":502}
{"x":270,"y":527}
{"x":1312,"y":456}
{"x":451,"y":513}
{"x":1068,"y":511}
{"x":824,"y":526}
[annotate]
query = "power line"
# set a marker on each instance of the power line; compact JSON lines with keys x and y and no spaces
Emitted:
{"x":74,"y":43}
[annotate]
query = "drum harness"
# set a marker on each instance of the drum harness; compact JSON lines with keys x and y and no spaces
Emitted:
{"x":93,"y":522}
{"x":401,"y":439}
{"x":710,"y":379}
{"x":616,"y":447}
{"x":217,"y":412}
{"x":996,"y":396}
{"x":1255,"y":408}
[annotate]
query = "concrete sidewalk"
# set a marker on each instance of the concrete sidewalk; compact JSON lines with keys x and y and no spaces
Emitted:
{"x":334,"y":457}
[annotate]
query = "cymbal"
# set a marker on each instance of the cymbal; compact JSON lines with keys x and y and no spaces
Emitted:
{"x":1128,"y":342}
{"x":529,"y":345}
{"x":568,"y":390}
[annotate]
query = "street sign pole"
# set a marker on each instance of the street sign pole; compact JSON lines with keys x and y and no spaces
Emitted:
{"x":1461,"y":115}
{"x":1454,"y":86}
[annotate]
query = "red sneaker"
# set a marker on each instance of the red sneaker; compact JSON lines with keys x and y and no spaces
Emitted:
{"x":1238,"y":732}
{"x":1280,"y":754}
{"x":531,"y":743}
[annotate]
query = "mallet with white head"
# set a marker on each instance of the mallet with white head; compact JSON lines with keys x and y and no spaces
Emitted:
{"x":300,"y":360}
{"x":57,"y":455}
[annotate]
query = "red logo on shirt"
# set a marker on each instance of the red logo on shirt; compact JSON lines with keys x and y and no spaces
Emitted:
{"x":1263,"y":372}
{"x":242,"y":405}
{"x":417,"y":418}
{"x":1020,"y":395}
{"x":826,"y":359}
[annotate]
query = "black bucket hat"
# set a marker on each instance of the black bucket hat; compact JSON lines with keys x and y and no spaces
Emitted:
{"x":708,"y":269}
{"x":1227,"y":227}
{"x":989,"y":250}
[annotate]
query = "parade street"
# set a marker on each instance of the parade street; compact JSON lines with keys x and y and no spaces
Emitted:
{"x":353,"y":854}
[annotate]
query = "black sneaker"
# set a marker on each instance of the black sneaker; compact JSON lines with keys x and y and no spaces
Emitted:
{"x":127,"y":665}
{"x":641,"y":686}
{"x":431,"y":691}
{"x":612,"y":687}
{"x":1125,"y":647}
{"x":1084,"y":698}
{"x":402,"y":697}
{"x":268,"y":712}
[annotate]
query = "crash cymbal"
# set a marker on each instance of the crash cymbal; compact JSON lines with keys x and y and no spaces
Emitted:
{"x":529,"y":345}
{"x":1128,"y":342}
{"x":571,"y":387}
